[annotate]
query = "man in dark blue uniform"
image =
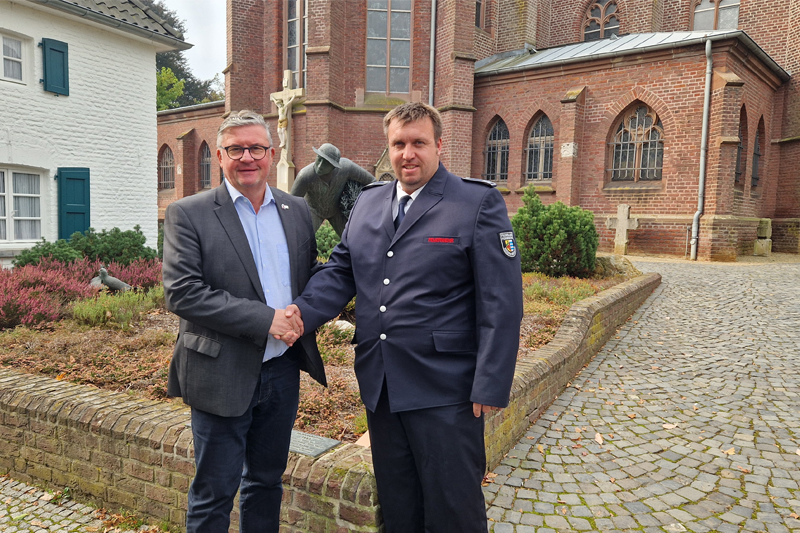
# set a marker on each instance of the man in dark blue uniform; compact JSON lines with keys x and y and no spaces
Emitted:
{"x":433,"y":259}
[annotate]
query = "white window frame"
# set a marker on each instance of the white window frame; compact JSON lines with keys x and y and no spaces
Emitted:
{"x":8,"y":214}
{"x":23,"y":61}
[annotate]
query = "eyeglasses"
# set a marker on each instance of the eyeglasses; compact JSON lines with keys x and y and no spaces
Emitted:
{"x":237,"y":152}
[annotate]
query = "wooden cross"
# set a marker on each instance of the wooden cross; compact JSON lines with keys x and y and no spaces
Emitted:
{"x":622,"y":223}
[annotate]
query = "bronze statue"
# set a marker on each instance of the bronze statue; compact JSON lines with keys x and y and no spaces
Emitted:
{"x":330,"y":186}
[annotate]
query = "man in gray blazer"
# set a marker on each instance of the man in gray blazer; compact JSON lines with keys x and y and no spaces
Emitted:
{"x":234,"y":257}
{"x":433,"y":259}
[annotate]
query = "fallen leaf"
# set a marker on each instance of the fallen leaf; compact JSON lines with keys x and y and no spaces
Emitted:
{"x":745,"y":470}
{"x":563,"y":510}
{"x":540,"y":448}
{"x":599,"y":438}
{"x":695,"y":407}
{"x":584,"y":453}
{"x":669,"y":426}
{"x":609,"y":402}
{"x":612,"y":479}
{"x":795,"y":516}
{"x":38,"y":523}
{"x":798,"y":451}
{"x":631,"y":415}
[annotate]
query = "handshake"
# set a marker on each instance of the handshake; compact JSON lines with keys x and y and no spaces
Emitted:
{"x":287,"y":325}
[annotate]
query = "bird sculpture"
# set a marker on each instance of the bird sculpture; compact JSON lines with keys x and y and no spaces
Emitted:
{"x":114,"y":284}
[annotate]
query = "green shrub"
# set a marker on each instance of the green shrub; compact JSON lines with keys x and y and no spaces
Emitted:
{"x":326,"y":240}
{"x":118,"y":310}
{"x":123,"y":247}
{"x":555,"y":240}
{"x":59,"y":250}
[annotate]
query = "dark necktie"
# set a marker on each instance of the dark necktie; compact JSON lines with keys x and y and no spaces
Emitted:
{"x":401,"y":210}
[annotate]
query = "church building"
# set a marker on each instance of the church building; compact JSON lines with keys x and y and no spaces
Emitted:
{"x":688,"y":111}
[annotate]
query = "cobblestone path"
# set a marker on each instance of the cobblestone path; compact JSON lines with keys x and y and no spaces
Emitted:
{"x":687,"y":420}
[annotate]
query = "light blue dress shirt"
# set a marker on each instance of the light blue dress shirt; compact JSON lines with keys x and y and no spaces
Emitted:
{"x":270,"y":252}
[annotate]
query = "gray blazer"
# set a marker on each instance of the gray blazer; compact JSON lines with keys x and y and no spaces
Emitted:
{"x":211,"y":282}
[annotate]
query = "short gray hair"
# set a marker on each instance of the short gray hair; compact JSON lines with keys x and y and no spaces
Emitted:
{"x":245,"y":117}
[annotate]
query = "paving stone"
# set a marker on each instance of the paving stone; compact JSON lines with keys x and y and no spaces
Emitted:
{"x":714,"y":351}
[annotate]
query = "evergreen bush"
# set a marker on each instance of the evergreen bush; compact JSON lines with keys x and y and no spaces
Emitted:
{"x":59,"y":250}
{"x":555,"y":240}
{"x":326,"y":240}
{"x":123,"y":247}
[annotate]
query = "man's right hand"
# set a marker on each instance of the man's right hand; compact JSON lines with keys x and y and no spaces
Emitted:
{"x":286,"y":326}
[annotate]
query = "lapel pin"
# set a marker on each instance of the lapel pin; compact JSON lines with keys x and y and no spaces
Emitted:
{"x":284,"y":206}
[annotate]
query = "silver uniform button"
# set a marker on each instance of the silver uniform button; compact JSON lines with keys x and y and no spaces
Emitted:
{"x":386,"y":281}
{"x":389,"y":253}
{"x":383,"y":309}
{"x":383,"y":336}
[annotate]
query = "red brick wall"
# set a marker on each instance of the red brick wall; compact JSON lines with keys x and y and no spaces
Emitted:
{"x":671,"y":84}
{"x":184,"y":132}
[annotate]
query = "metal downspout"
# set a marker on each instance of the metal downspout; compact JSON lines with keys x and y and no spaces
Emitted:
{"x":701,"y":192}
{"x":433,"y":52}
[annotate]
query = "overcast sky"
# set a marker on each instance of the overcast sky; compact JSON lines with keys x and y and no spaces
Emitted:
{"x":205,"y":29}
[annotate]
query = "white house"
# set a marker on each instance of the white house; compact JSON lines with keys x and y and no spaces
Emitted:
{"x":78,"y":142}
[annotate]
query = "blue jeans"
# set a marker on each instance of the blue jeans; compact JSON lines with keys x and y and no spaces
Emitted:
{"x":248,"y":453}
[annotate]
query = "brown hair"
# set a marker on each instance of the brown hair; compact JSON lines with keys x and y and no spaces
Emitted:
{"x":412,"y":112}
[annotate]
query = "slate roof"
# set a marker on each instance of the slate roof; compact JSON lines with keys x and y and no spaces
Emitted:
{"x":131,"y":16}
{"x":636,"y":43}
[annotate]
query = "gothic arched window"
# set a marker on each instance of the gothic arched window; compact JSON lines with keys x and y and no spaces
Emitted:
{"x":540,"y":151}
{"x":601,"y":20}
{"x":166,"y":169}
{"x":205,"y":166}
{"x":637,"y":149}
{"x":497,"y":153}
{"x":715,"y":15}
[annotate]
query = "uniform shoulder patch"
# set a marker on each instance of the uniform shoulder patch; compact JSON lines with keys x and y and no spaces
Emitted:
{"x":374,"y":184}
{"x":507,"y":243}
{"x":482,"y":182}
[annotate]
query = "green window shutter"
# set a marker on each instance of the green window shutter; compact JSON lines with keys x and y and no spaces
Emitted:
{"x":55,"y":66}
{"x":73,"y":201}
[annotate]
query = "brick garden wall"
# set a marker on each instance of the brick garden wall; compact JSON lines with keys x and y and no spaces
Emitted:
{"x":120,"y":452}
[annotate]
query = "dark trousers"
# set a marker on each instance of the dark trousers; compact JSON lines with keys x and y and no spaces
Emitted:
{"x":249,"y":450}
{"x":429,"y":464}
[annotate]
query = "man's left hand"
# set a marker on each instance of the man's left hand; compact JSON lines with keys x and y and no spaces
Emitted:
{"x":478,"y":408}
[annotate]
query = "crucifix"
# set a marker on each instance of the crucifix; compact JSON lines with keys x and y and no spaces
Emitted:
{"x":284,"y":100}
{"x":622,"y":223}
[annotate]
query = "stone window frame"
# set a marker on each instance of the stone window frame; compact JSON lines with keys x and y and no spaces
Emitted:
{"x":706,"y":5}
{"x":9,"y":207}
{"x":758,"y":153}
{"x":495,"y":157}
{"x":629,"y":141}
{"x":600,"y":12}
{"x":390,"y":7}
{"x":166,"y":169}
{"x":204,"y":173}
{"x":740,"y":170}
{"x":538,"y":140}
{"x":298,"y":64}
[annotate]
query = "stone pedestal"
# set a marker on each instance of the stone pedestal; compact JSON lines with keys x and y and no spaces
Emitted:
{"x":763,"y":247}
{"x":286,"y":172}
